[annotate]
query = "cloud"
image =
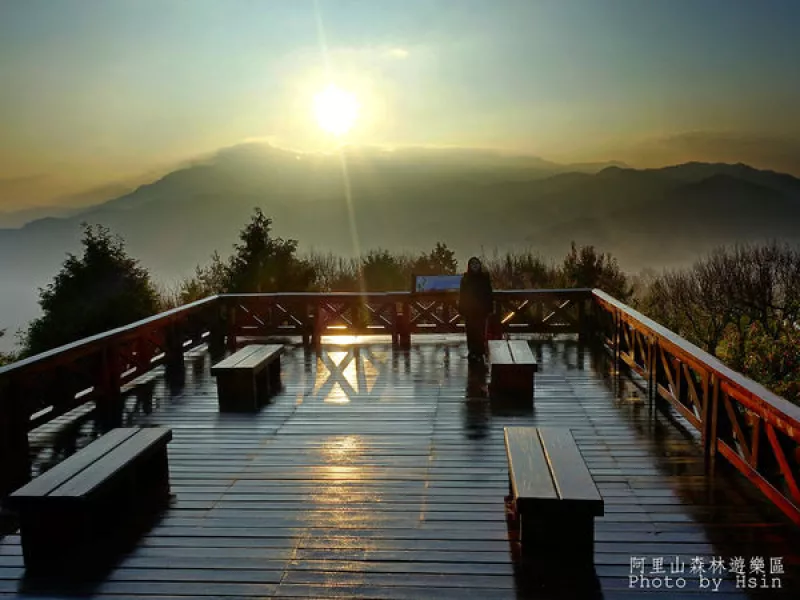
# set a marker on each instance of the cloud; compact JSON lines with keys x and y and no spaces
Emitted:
{"x":399,"y":53}
{"x":17,"y":189}
{"x":374,"y":54}
{"x":22,"y":180}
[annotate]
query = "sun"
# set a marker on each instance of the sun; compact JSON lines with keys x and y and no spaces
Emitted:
{"x":336,"y":110}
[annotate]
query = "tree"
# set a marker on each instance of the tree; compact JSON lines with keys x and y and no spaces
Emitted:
{"x":730,"y":288}
{"x":5,"y":358}
{"x":440,"y":261}
{"x":335,"y":273}
{"x":690,"y":303}
{"x":741,"y":304}
{"x":516,"y":271}
{"x":585,"y":268}
{"x":98,"y":291}
{"x":771,"y":360}
{"x":262,"y":263}
{"x":207,"y":281}
{"x":382,"y":271}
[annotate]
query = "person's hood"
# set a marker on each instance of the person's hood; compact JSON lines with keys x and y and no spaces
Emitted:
{"x":479,"y":262}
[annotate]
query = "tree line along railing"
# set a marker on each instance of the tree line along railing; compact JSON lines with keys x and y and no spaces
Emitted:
{"x":754,"y":430}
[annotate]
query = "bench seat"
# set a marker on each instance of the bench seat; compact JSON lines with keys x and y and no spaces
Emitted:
{"x":74,"y":512}
{"x":512,"y":368}
{"x":553,"y":497}
{"x":247,"y":378}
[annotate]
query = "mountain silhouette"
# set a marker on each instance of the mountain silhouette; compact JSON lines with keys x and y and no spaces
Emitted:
{"x":408,"y":199}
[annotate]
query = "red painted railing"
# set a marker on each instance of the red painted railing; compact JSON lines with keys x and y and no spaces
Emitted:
{"x":398,"y":314}
{"x":40,"y":388}
{"x":755,"y":430}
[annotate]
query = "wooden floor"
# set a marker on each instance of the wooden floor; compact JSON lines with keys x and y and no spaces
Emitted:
{"x":381,"y":474}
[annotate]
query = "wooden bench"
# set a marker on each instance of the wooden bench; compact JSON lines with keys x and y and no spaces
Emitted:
{"x":247,"y":378}
{"x":74,"y":513}
{"x":553,"y":497}
{"x":513,"y":367}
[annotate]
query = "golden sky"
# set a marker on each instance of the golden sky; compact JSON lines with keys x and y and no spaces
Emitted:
{"x":98,"y":92}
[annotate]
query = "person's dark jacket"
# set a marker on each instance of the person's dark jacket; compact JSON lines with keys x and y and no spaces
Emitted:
{"x":475,"y":299}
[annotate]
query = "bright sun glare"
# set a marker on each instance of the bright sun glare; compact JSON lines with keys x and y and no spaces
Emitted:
{"x":336,"y":110}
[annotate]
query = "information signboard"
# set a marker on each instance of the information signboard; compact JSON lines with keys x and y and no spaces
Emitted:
{"x":436,"y":283}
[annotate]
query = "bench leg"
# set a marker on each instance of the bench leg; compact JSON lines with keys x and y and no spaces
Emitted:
{"x":49,"y":536}
{"x":263,"y":387}
{"x":512,"y":382}
{"x":561,"y":538}
{"x":275,"y":375}
{"x":511,"y":504}
{"x":237,"y":392}
{"x":152,"y":480}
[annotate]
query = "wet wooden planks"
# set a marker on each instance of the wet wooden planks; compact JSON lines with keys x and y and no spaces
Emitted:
{"x":381,"y":474}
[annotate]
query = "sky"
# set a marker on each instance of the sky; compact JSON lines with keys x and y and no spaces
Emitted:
{"x":101,"y":92}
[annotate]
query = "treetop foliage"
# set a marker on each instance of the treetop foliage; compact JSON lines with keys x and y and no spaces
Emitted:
{"x":100,"y":290}
{"x":263,"y":263}
{"x":4,"y":357}
{"x":586,"y":268}
{"x":741,"y":304}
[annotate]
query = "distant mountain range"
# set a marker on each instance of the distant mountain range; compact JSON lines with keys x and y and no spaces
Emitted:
{"x":65,"y":206}
{"x":410,"y":199}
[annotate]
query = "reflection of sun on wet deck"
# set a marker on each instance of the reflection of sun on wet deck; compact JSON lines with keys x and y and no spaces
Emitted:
{"x":381,"y":473}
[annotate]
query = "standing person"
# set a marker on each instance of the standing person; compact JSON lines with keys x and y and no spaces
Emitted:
{"x":475,"y":305}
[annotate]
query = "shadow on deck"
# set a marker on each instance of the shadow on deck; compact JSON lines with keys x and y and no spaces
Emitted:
{"x":378,"y":473}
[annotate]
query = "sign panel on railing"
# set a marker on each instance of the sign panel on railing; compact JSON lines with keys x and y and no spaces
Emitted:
{"x":436,"y":283}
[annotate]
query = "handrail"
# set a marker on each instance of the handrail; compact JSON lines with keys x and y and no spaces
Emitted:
{"x":754,"y":389}
{"x":75,"y":348}
{"x":399,"y":314}
{"x":106,"y":337}
{"x":400,"y":295}
{"x":754,"y":429}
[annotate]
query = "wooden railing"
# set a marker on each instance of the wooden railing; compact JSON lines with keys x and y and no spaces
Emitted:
{"x":398,"y":314}
{"x":43,"y":387}
{"x":755,"y":430}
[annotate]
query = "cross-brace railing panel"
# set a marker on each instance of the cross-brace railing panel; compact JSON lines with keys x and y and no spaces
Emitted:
{"x":755,"y":430}
{"x":40,"y":388}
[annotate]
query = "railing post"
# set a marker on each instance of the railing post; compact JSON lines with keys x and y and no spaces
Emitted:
{"x":582,"y":321}
{"x":216,"y":328}
{"x":175,"y":365}
{"x":711,"y":424}
{"x":109,"y":403}
{"x":173,"y":347}
{"x":537,"y":314}
{"x":652,"y":366}
{"x":142,"y":359}
{"x":15,"y":462}
{"x":359,"y":310}
{"x":307,"y":326}
{"x":395,"y":331}
{"x":617,"y":351}
{"x":232,"y":327}
{"x":404,"y":325}
{"x":318,"y":326}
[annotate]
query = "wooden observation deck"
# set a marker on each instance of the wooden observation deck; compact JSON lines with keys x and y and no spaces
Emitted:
{"x":379,"y":470}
